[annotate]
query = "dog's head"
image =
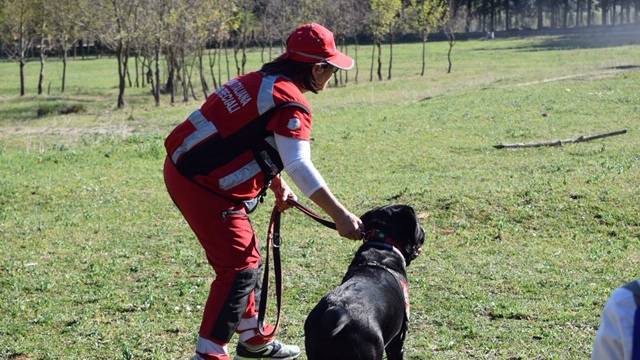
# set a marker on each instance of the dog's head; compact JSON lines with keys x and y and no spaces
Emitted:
{"x":397,"y":225}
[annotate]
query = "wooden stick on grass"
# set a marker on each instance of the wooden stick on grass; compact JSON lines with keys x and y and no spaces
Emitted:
{"x":581,"y":138}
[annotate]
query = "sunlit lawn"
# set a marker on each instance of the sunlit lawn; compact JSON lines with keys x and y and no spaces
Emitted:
{"x":523,"y":246}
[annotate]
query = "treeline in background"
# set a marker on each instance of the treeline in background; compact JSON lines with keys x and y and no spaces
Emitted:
{"x":179,"y":48}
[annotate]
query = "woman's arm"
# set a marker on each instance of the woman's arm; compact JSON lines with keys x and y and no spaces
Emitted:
{"x":296,"y":157}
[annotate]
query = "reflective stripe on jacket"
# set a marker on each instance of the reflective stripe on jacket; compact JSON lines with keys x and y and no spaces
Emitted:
{"x":224,"y":146}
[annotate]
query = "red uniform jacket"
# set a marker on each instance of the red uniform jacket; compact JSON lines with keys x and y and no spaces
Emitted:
{"x":227,"y":145}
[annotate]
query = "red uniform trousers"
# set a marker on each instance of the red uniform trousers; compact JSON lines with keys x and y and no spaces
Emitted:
{"x":225,"y":232}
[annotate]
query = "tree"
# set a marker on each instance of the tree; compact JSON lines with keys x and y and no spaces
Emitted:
{"x":18,"y":31}
{"x":450,"y":26}
{"x":115,"y":27}
{"x":539,"y":11}
{"x":66,"y":27}
{"x":428,"y":15}
{"x":42,"y":16}
{"x":381,"y":18}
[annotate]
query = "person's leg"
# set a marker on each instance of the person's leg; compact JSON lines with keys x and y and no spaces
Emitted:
{"x":225,"y":232}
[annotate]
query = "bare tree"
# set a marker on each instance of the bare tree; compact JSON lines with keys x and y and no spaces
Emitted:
{"x":115,"y":27}
{"x":42,"y":17}
{"x":17,"y":32}
{"x":68,"y":15}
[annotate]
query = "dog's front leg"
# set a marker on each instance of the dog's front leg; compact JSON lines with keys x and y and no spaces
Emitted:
{"x":395,"y":349}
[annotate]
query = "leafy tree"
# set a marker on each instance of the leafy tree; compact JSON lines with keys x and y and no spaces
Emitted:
{"x":381,"y":18}
{"x":428,"y":15}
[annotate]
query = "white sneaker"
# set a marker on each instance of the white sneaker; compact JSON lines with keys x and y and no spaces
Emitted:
{"x":273,"y":350}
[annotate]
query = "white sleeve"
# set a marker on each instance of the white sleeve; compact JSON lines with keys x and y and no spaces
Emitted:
{"x":296,"y":158}
{"x":614,"y":339}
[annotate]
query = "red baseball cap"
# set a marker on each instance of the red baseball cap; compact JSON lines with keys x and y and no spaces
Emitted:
{"x":313,"y":43}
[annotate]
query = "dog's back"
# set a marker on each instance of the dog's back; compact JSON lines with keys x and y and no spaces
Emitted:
{"x":353,"y":320}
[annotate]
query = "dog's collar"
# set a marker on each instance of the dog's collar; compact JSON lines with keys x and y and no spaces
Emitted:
{"x":386,"y":246}
{"x":378,"y":237}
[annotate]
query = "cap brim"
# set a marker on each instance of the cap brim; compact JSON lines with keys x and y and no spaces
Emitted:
{"x":341,"y":61}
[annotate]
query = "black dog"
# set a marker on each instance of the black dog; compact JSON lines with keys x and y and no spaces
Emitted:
{"x":368,"y":314}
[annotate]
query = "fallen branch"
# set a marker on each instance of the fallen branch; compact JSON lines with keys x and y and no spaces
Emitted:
{"x":579,"y":139}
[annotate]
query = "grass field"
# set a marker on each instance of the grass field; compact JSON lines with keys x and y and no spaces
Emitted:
{"x":524,"y":246}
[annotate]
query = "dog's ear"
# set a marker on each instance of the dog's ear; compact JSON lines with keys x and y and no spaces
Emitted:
{"x":407,"y":229}
{"x":377,"y":218}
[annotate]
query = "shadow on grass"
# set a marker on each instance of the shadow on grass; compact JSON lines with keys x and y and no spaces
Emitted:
{"x":24,"y":109}
{"x":593,"y":38}
{"x":29,"y":108}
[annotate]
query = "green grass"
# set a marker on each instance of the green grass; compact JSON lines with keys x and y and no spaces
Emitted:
{"x":523,"y":249}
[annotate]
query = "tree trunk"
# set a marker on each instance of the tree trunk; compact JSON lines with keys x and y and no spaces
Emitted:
{"x":424,"y":52}
{"x":212,"y":64}
{"x":226,"y":57}
{"x":483,"y":15}
{"x":219,"y":64}
{"x":203,"y":81}
{"x":355,"y":38}
{"x":244,"y":54}
{"x":41,"y":76}
{"x":64,"y":68}
{"x":452,"y":41}
{"x":143,"y":74}
{"x":565,"y":15}
{"x":467,"y":21}
{"x":122,"y":73}
{"x":540,"y":14}
{"x":137,"y":72}
{"x":493,"y":15}
{"x":379,"y":45}
{"x":185,"y":79}
{"x":128,"y":74}
{"x":236,"y":49}
{"x":637,"y":11}
{"x":171,"y":74}
{"x":156,"y":90}
{"x":507,"y":15}
{"x":589,"y":12}
{"x":262,"y":53}
{"x":605,"y":15}
{"x":373,"y":56}
{"x":554,"y":16}
{"x":390,"y":56}
{"x":579,"y":13}
{"x":22,"y":64}
{"x":189,"y":76}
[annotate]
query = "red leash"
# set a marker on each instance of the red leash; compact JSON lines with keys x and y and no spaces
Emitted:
{"x":273,"y":242}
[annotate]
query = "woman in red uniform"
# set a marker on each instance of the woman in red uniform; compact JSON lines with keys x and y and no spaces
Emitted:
{"x":222,"y":159}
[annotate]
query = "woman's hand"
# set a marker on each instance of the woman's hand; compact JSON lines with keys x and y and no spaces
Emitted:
{"x":282,"y":192}
{"x":349,"y":226}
